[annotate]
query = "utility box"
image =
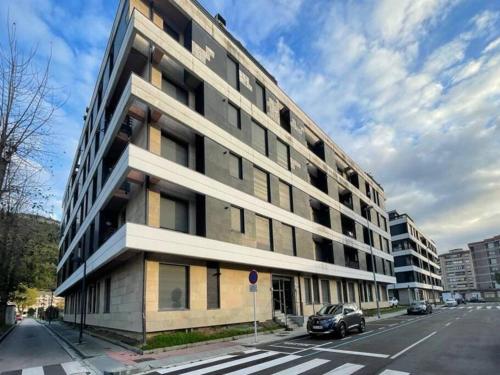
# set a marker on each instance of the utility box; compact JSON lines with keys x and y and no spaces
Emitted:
{"x":10,"y":314}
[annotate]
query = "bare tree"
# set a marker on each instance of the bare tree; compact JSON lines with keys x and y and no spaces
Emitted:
{"x":27,"y":105}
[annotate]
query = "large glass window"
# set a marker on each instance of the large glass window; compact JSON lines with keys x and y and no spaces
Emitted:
{"x":237,"y":221}
{"x":175,"y":91}
{"x":316,"y":290}
{"x":307,"y":291}
{"x":283,"y":154}
{"x":213,"y":286}
{"x":260,"y":93}
{"x":233,"y":116}
{"x":263,"y":232}
{"x":288,"y":239}
{"x":232,"y":72}
{"x":259,"y":138}
{"x":107,"y":295}
{"x":173,"y":287}
{"x":261,"y":184}
{"x":174,"y":149}
{"x":174,"y":214}
{"x":235,"y":166}
{"x":285,"y":196}
{"x":325,"y":291}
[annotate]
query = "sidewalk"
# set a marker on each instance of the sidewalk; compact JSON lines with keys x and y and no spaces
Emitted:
{"x":108,"y":358}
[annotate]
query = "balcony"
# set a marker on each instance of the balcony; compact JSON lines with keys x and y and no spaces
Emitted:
{"x":348,"y":226}
{"x":320,"y":213}
{"x":351,"y":257}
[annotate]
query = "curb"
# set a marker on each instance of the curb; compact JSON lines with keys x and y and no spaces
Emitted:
{"x":201,"y":343}
{"x":69,"y":343}
{"x":6,"y":333}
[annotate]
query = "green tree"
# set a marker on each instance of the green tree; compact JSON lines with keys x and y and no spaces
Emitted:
{"x":25,"y":297}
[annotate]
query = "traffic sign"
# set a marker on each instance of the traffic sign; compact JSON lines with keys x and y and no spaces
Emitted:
{"x":253,"y":276}
{"x":253,"y":288}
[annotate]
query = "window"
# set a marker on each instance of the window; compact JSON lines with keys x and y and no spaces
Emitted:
{"x":307,"y":291}
{"x":263,"y":233}
{"x":283,"y":154}
{"x":235,"y":166}
{"x":316,"y":290}
{"x":259,"y":138}
{"x":237,"y":219}
{"x":352,"y":295}
{"x":173,"y":287}
{"x":233,"y":116}
{"x":175,"y":91}
{"x":174,"y":214}
{"x":398,"y":229}
{"x":261,"y":184}
{"x":325,"y":291}
{"x":213,"y":286}
{"x":339,"y":292}
{"x":288,"y":239}
{"x":285,"y":196}
{"x":174,"y":150}
{"x":107,"y":295}
{"x":232,"y":72}
{"x":260,"y":93}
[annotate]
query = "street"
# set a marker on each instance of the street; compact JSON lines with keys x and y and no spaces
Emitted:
{"x":31,"y":346}
{"x":458,"y":340}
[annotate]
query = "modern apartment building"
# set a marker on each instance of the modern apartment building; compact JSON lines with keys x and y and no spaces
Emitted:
{"x":486,"y":259}
{"x":457,"y":271}
{"x":194,"y":168}
{"x":416,"y":262}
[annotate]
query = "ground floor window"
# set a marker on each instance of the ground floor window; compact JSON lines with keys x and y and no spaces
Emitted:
{"x":213,"y":286}
{"x":307,"y":291}
{"x":352,"y":294}
{"x":173,"y":287}
{"x":325,"y":291}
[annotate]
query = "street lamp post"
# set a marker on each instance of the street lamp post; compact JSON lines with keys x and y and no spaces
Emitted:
{"x":83,"y":296}
{"x":368,"y":215}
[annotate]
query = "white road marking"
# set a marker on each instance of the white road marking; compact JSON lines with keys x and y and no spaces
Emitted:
{"x":470,"y":307}
{"x":303,"y":367}
{"x":345,"y":369}
{"x":394,"y":324}
{"x":462,"y":307}
{"x":381,"y":327}
{"x":498,"y":307}
{"x":33,"y":371}
{"x":262,"y":366}
{"x":193,"y":364}
{"x":393,"y":372}
{"x":457,"y":318}
{"x":74,"y":368}
{"x":412,"y":345}
{"x":297,"y":343}
{"x":364,"y":354}
{"x":284,"y":347}
{"x":447,"y":324}
{"x":489,"y":307}
{"x":479,"y":307}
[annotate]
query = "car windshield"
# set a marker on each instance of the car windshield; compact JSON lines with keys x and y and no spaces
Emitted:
{"x":417,"y":303}
{"x":330,"y":310}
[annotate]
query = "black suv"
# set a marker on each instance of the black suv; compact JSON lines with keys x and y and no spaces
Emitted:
{"x":338,"y":319}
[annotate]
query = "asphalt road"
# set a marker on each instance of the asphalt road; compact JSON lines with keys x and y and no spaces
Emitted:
{"x":460,"y":340}
{"x":30,"y":345}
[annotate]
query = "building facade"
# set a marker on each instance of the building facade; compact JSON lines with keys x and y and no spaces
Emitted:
{"x":416,"y":263}
{"x":194,"y":168}
{"x":457,"y":271}
{"x":486,"y":260}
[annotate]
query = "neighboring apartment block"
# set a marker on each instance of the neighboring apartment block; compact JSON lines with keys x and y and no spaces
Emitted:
{"x":194,"y":168}
{"x":416,"y":262}
{"x":486,"y":258}
{"x":457,"y":271}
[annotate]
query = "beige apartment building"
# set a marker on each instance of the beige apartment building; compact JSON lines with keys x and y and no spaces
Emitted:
{"x":194,"y":168}
{"x":457,"y":271}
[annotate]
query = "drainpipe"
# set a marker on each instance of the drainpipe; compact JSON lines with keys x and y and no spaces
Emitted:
{"x":144,"y":297}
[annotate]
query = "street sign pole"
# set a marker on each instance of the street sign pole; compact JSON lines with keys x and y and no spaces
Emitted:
{"x":253,"y":276}
{"x":255,"y":316}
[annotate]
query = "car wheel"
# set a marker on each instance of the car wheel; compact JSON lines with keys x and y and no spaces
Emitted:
{"x":362,"y":326}
{"x":342,"y":331}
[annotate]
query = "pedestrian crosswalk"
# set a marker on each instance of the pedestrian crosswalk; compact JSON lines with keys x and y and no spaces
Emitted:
{"x":257,"y":361}
{"x":67,"y":368}
{"x":474,"y":307}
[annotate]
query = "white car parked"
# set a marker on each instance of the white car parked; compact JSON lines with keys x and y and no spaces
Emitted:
{"x":451,"y":302}
{"x":393,"y":302}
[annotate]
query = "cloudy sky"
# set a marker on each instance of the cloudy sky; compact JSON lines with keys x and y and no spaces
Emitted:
{"x":410,"y":89}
